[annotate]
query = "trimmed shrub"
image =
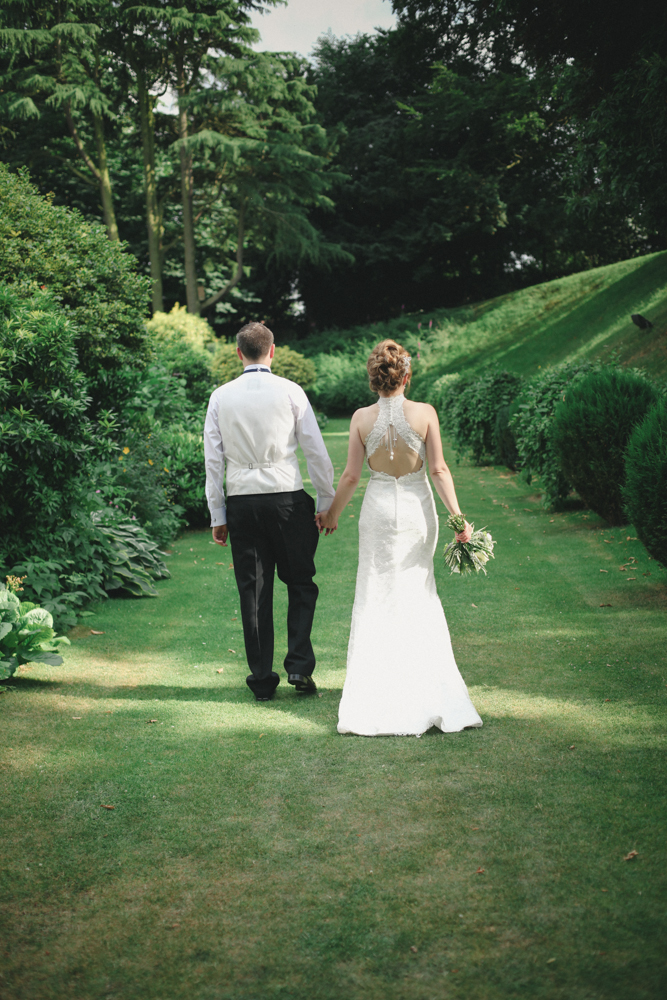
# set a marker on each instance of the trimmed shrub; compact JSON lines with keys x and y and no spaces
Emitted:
{"x":531,"y":423}
{"x":342,"y":383}
{"x":286,"y":363}
{"x":468,"y":408}
{"x":645,"y":491}
{"x":95,"y":280}
{"x":592,"y":427}
{"x":184,"y":346}
{"x":504,"y":441}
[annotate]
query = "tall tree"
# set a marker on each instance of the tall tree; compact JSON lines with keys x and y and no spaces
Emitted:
{"x":55,"y":56}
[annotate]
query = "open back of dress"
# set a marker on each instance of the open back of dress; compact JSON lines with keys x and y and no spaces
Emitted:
{"x":401,"y":674}
{"x":393,"y":444}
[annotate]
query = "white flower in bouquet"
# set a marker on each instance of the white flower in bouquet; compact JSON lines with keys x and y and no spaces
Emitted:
{"x":472,"y":556}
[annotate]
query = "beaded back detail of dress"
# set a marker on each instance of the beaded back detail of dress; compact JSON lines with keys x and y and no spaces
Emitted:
{"x":391,"y":424}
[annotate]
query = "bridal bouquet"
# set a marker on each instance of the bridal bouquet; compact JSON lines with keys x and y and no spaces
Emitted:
{"x":466,"y":557}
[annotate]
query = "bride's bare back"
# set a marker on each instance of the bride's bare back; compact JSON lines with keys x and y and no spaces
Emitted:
{"x":395,"y":456}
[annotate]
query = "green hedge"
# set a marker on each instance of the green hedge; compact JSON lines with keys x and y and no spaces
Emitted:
{"x":468,"y":407}
{"x":591,"y":430}
{"x":645,"y":491}
{"x":532,"y":426}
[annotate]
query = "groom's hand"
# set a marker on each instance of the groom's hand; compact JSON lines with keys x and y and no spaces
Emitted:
{"x":325,"y":523}
{"x":220,"y":533}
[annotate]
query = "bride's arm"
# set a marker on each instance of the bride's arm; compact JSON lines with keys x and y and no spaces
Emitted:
{"x":440,"y":474}
{"x":327,"y":520}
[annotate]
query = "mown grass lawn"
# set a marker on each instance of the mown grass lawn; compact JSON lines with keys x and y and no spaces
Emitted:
{"x":253,"y":853}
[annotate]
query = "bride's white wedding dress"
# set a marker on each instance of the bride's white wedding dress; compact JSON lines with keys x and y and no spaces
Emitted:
{"x":401,"y":677}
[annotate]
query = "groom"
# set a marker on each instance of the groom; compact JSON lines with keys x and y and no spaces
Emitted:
{"x":253,"y":426}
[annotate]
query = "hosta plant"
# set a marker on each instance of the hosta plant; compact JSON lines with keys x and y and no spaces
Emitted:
{"x":26,"y":634}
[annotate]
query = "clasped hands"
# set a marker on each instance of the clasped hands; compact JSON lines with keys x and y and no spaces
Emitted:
{"x":325,"y":522}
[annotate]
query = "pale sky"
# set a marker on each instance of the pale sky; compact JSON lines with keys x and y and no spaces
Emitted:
{"x":297,"y":27}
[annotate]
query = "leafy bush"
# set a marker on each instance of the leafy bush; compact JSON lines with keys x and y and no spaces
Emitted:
{"x":95,"y":280}
{"x":342,"y":383}
{"x":645,"y":492}
{"x":286,"y":363}
{"x":185,"y":478}
{"x":87,"y":559}
{"x":592,"y":427}
{"x":531,"y":422}
{"x":468,"y":407}
{"x":133,"y":561}
{"x":45,"y":432}
{"x":184,"y":346}
{"x":26,"y":634}
{"x":504,"y":441}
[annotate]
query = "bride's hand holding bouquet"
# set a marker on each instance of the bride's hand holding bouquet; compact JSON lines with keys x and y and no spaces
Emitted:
{"x":471,"y":550}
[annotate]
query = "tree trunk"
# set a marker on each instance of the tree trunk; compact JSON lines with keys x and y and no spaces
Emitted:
{"x":105,"y":180}
{"x":186,"y":196}
{"x":153,"y":213}
{"x":101,"y":173}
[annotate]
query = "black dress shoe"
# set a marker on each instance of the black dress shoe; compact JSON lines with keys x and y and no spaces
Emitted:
{"x":302,"y":682}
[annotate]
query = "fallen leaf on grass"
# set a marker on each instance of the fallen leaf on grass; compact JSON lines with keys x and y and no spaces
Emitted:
{"x":413,"y":947}
{"x":607,"y":542}
{"x":631,"y":578}
{"x":151,"y":720}
{"x":107,"y":807}
{"x":231,"y":565}
{"x":550,"y":960}
{"x":219,"y":564}
{"x":231,"y":651}
{"x":261,"y":734}
{"x":571,"y":748}
{"x":604,"y":890}
{"x":605,"y":606}
{"x":631,"y":538}
{"x":77,"y":716}
{"x":622,"y":569}
{"x":480,"y":871}
{"x":631,"y":855}
{"x":95,"y":632}
{"x":604,"y":570}
{"x":474,"y":605}
{"x":220,"y":671}
{"x":319,"y":694}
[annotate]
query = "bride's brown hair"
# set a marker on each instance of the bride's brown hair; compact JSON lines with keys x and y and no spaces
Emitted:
{"x":387,"y":366}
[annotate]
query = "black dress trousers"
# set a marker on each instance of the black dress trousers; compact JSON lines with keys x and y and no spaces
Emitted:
{"x":269,"y":531}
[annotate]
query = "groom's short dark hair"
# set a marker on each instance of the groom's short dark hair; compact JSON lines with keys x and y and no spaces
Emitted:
{"x":254,"y":341}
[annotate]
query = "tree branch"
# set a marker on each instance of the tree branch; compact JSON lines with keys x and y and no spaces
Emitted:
{"x":239,"y":264}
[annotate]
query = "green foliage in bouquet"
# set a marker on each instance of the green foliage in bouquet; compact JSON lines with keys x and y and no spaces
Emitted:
{"x":592,"y":427}
{"x":26,"y":634}
{"x":645,"y":491}
{"x":468,"y":557}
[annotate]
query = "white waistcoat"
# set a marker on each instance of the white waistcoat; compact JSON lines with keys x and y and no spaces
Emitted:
{"x":257,"y":425}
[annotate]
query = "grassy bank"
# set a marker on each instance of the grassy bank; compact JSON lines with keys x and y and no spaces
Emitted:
{"x":252,"y":853}
{"x":584,"y":316}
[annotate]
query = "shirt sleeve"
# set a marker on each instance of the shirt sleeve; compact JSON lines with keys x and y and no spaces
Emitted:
{"x":309,"y":436}
{"x":214,"y":455}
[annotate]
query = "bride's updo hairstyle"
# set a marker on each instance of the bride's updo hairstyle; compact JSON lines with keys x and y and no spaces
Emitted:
{"x":387,"y":366}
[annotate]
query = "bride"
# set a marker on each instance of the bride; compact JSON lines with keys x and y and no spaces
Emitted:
{"x":401,"y":674}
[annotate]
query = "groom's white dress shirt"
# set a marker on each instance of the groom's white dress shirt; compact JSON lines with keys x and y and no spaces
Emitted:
{"x":253,"y":427}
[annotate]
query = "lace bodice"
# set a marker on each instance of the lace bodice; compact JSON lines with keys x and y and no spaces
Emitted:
{"x":390,"y":424}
